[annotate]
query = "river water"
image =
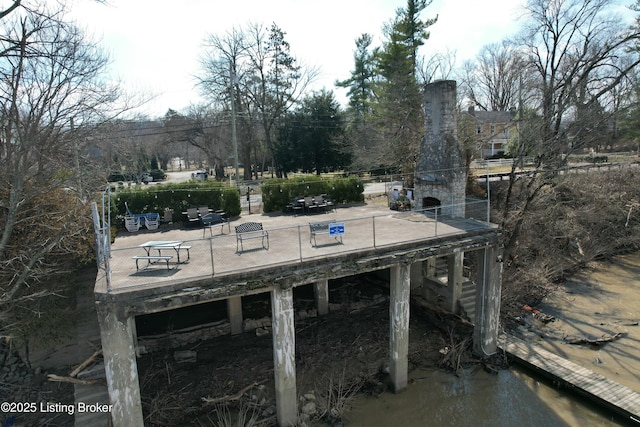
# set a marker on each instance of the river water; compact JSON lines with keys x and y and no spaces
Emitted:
{"x":599,"y":302}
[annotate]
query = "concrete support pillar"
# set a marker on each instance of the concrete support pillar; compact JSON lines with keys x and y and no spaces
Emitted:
{"x":399,"y":320}
{"x":455,"y":264}
{"x":488,"y":288}
{"x":234,"y":311}
{"x":321,"y":291}
{"x":284,"y":357}
{"x":121,"y":368}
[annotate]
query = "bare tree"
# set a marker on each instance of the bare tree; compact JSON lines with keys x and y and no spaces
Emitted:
{"x":256,"y":67}
{"x":278,"y":81}
{"x":438,"y":66}
{"x":51,"y":89}
{"x":226,"y":70}
{"x":492,"y":82}
{"x":209,"y":132}
{"x":572,"y":47}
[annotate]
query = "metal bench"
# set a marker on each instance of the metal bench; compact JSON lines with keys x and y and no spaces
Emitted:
{"x":250,"y":230}
{"x":333,"y":228}
{"x":150,"y":258}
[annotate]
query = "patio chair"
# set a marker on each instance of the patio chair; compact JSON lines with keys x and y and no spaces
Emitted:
{"x":152,"y":221}
{"x":142,"y":219}
{"x":132,"y":223}
{"x":320,"y":203}
{"x":192,"y":215}
{"x":296,"y":205}
{"x":310,"y":205}
{"x":168,"y":217}
{"x":328,"y":203}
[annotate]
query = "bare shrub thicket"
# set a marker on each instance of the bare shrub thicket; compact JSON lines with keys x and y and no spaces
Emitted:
{"x":579,"y":218}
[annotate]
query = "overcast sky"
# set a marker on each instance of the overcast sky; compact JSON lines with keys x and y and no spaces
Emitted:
{"x":155,"y":44}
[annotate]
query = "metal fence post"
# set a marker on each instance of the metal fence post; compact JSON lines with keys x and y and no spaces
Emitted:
{"x":488,"y":196}
{"x":436,"y":217}
{"x":213,"y":271}
{"x":374,"y":230}
{"x":300,"y":242}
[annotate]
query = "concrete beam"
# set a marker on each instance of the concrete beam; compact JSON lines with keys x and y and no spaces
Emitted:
{"x":321,"y":291}
{"x":145,"y":300}
{"x":488,"y":289}
{"x":284,"y":357}
{"x":121,"y":368}
{"x":399,"y":320}
{"x":234,"y":311}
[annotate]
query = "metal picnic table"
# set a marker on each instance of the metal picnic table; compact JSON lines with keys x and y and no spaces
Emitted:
{"x":159,"y":245}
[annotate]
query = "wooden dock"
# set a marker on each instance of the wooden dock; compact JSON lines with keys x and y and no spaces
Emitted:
{"x":616,"y":397}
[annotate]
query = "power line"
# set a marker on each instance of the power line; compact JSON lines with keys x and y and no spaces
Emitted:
{"x":164,"y":129}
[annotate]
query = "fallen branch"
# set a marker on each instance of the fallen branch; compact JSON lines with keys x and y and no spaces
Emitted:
{"x":597,"y":342}
{"x":86,"y":363}
{"x":227,"y":398}
{"x":617,"y":323}
{"x":59,"y":379}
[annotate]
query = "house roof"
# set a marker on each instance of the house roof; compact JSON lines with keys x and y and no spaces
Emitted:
{"x":492,"y":116}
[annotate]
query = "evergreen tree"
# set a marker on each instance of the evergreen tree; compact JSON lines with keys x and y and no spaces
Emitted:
{"x":360,"y":83}
{"x":312,"y":137}
{"x":400,"y":110}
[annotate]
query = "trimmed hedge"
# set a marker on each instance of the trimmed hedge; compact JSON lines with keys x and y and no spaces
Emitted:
{"x":596,"y":159}
{"x":277,"y":193}
{"x":176,"y":198}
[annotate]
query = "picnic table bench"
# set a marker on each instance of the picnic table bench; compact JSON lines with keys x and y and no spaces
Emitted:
{"x":150,"y":258}
{"x":160,"y":245}
{"x":250,"y":230}
{"x":330,"y":227}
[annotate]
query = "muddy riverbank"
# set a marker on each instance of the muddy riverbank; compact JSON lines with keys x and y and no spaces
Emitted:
{"x":600,"y":303}
{"x":603,"y":300}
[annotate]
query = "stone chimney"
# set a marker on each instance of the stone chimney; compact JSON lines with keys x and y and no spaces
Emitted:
{"x":440,"y":178}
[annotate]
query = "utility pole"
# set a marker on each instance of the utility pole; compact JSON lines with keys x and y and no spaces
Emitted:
{"x":519,"y":124}
{"x":234,"y":136}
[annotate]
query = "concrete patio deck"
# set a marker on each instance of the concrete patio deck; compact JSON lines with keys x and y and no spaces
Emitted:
{"x":366,"y":227}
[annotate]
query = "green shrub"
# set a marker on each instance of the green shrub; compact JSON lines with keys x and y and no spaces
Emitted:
{"x":176,"y":198}
{"x":345,"y":190}
{"x":277,"y":193}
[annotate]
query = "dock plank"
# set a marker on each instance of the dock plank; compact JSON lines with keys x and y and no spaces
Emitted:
{"x":617,"y":397}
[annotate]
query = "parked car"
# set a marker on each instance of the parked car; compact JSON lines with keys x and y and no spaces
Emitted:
{"x":200,"y":175}
{"x":146,"y":178}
